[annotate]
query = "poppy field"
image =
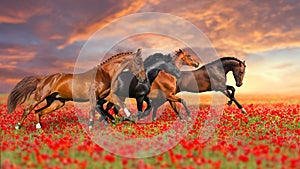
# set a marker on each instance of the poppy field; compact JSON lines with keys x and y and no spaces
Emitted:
{"x":267,"y":137}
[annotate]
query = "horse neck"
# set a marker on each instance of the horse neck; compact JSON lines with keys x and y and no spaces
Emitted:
{"x":114,"y":67}
{"x":177,"y":60}
{"x":228,"y":65}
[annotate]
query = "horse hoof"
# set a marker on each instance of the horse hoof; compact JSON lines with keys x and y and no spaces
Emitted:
{"x":106,"y":123}
{"x":17,"y":127}
{"x":154,"y":119}
{"x":38,"y":126}
{"x":244,"y":111}
{"x":229,"y":103}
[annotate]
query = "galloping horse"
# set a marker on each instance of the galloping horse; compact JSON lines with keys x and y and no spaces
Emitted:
{"x":160,"y":87}
{"x":210,"y":77}
{"x":58,"y":88}
{"x":129,"y":86}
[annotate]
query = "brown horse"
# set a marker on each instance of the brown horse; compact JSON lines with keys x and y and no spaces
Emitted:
{"x":58,"y":88}
{"x":164,"y":85}
{"x":210,"y":77}
{"x":179,"y":59}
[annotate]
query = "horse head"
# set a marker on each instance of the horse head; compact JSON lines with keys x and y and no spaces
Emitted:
{"x":137,"y":68}
{"x":186,"y":58}
{"x":239,"y":72}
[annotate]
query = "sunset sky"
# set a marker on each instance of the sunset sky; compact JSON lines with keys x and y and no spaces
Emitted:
{"x":45,"y":37}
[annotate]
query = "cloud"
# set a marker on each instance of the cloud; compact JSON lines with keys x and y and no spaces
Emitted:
{"x":19,"y":12}
{"x":242,"y":27}
{"x":83,"y":32}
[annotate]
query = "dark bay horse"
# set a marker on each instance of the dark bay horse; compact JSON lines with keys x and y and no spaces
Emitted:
{"x":161,"y":87}
{"x":211,"y":76}
{"x":58,"y":88}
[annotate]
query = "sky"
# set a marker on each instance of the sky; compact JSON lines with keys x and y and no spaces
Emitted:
{"x":45,"y":37}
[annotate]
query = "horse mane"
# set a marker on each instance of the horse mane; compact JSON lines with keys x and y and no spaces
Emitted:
{"x":116,"y":56}
{"x":152,"y":59}
{"x":224,"y":59}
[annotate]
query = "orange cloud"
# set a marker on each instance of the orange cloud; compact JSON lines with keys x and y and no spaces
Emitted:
{"x":86,"y":31}
{"x":9,"y":19}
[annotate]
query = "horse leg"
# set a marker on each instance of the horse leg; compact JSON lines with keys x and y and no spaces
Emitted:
{"x":51,"y":106}
{"x":99,"y":108}
{"x":186,"y":108}
{"x":156,"y":104}
{"x":28,"y":109}
{"x":102,"y":113}
{"x":149,"y":107}
{"x":154,"y":113}
{"x":173,"y":105}
{"x":231,"y":95}
{"x":93,"y":103}
{"x":117,"y":102}
{"x":232,"y":98}
{"x":174,"y":99}
{"x":139,"y":102}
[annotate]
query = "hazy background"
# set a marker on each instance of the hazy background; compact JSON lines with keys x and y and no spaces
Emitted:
{"x":44,"y":37}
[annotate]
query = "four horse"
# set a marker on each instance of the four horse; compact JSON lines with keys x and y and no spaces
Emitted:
{"x":108,"y":82}
{"x":58,"y":88}
{"x":211,"y":76}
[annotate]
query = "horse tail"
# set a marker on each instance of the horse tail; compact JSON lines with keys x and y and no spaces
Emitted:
{"x":21,"y":92}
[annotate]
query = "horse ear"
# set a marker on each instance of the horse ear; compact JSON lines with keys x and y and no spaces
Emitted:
{"x":138,"y":52}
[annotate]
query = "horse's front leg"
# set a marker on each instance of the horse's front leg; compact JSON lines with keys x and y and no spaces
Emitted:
{"x":230,"y":95}
{"x":113,"y":98}
{"x":232,"y":98}
{"x":139,"y":102}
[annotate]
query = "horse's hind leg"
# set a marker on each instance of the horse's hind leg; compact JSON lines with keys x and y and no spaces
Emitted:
{"x":172,"y":99}
{"x":53,"y":105}
{"x":27,"y":110}
{"x":173,"y":105}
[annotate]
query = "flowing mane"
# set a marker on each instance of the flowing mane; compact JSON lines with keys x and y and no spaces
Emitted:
{"x":224,"y":59}
{"x":115,"y":56}
{"x":152,"y":59}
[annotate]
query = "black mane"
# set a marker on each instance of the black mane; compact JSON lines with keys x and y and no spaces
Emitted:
{"x":152,"y":59}
{"x":224,"y":59}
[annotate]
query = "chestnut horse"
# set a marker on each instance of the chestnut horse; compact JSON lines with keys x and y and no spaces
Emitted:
{"x":211,"y":76}
{"x":158,"y":86}
{"x":58,"y":88}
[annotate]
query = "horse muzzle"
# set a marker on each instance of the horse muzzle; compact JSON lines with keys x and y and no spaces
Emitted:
{"x":239,"y":84}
